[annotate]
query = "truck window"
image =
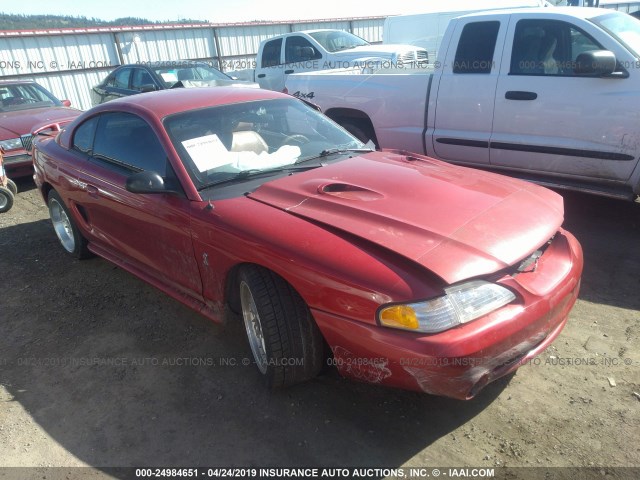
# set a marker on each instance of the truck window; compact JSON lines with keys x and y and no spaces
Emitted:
{"x":475,"y":48}
{"x":548,"y":47}
{"x":299,"y":49}
{"x":271,"y":53}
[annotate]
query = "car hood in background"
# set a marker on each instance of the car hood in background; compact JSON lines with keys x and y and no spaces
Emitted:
{"x":218,"y":83}
{"x":386,"y":51}
{"x":22,"y":122}
{"x":457,"y":222}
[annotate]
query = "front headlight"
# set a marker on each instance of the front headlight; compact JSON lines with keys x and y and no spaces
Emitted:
{"x":11,"y":144}
{"x":460,"y":304}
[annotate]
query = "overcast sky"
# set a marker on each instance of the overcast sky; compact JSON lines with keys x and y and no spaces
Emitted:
{"x":220,"y":11}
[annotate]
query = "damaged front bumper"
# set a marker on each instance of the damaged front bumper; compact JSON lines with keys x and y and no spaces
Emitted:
{"x":461,"y":361}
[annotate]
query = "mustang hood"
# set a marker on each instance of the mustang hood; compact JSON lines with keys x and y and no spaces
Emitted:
{"x":22,"y":122}
{"x":457,"y":222}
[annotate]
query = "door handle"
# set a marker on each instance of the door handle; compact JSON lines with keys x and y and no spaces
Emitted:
{"x":517,"y":95}
{"x":287,"y":72}
{"x":93,"y":191}
{"x":261,"y":75}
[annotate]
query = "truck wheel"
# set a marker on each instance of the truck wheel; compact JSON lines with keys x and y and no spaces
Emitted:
{"x":6,"y":199}
{"x":66,"y":230}
{"x":11,"y":185}
{"x":286,"y":343}
{"x":361,"y":132}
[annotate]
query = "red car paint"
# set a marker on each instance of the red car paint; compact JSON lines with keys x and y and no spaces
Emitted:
{"x":349,"y":237}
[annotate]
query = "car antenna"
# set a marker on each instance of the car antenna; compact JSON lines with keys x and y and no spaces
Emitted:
{"x":209,"y":205}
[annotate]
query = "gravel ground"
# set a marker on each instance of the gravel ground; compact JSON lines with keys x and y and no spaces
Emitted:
{"x":99,"y":369}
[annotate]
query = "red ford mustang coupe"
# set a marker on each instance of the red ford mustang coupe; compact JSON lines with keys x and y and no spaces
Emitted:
{"x":416,"y":273}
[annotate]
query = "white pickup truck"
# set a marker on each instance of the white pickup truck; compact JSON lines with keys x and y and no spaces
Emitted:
{"x":312,"y":50}
{"x":551,"y":95}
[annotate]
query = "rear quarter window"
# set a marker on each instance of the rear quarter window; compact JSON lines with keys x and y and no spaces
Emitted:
{"x":476,"y":48}
{"x":84,"y":135}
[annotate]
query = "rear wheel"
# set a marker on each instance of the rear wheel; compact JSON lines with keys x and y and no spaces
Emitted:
{"x":360,"y":130}
{"x":66,"y":230}
{"x":286,"y":344}
{"x":6,"y":199}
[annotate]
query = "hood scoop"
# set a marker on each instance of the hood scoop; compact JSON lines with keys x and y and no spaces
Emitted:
{"x":458,"y":223}
{"x":348,"y":191}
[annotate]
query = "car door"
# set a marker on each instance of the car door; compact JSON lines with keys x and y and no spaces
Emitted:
{"x":117,"y":85}
{"x":150,"y":232}
{"x":464,"y":96}
{"x":549,"y":119}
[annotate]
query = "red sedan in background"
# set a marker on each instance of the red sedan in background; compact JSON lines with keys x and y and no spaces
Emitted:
{"x":416,"y":273}
{"x":25,"y":106}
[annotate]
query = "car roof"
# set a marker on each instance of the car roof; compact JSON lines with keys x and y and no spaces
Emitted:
{"x":162,"y":103}
{"x":170,"y":101}
{"x":16,"y":82}
{"x":317,"y":30}
{"x":582,"y":12}
{"x":167,"y":63}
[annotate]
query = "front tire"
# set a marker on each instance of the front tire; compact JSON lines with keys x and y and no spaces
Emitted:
{"x":6,"y":199}
{"x":11,"y":185}
{"x":286,"y":343}
{"x":66,"y":230}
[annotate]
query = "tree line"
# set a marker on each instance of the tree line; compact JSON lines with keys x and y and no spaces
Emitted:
{"x":29,"y":22}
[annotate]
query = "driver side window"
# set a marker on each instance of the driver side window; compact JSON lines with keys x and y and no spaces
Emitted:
{"x":548,"y":48}
{"x":141,"y":78}
{"x":124,"y":140}
{"x":299,"y":49}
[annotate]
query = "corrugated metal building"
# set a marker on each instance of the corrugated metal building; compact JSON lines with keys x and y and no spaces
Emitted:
{"x":68,"y":62}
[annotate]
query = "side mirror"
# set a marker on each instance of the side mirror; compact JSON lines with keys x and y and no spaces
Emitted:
{"x":596,"y":63}
{"x":66,"y":103}
{"x":306,"y":53}
{"x":145,"y":182}
{"x":149,"y":87}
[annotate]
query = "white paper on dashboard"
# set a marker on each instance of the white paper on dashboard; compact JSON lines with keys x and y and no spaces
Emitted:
{"x":207,"y":152}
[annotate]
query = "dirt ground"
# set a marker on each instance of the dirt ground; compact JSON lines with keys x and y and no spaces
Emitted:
{"x":99,"y":369}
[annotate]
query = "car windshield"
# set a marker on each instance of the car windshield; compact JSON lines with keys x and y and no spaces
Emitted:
{"x":623,"y":27}
{"x":217,"y":144}
{"x":172,"y":74}
{"x":24,"y":97}
{"x":333,"y":41}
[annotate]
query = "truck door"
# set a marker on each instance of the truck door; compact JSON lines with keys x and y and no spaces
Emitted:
{"x":465,"y":91}
{"x":269,"y":71}
{"x":549,"y":120}
{"x":300,"y":55}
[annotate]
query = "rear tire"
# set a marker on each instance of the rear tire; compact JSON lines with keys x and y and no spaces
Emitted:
{"x":361,"y":131}
{"x":66,"y":230}
{"x":6,"y":199}
{"x":286,"y":343}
